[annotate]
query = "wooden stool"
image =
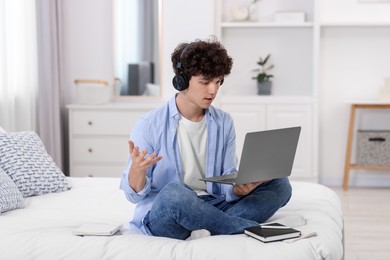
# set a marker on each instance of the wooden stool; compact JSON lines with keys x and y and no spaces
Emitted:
{"x":348,"y":165}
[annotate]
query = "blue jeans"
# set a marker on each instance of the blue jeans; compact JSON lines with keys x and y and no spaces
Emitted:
{"x":177,"y":210}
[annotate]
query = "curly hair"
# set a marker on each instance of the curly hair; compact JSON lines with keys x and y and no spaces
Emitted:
{"x":202,"y":57}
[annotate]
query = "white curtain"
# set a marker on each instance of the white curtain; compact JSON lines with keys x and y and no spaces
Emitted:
{"x":30,"y":97}
{"x":50,"y":105}
{"x":18,"y":65}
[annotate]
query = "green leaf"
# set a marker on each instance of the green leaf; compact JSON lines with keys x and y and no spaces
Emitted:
{"x":266,"y":58}
{"x":262,"y":76}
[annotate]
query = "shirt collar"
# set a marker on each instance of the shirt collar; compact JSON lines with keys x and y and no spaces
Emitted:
{"x":174,"y":112}
{"x":210,"y":112}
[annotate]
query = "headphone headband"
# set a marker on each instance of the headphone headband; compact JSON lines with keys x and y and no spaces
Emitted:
{"x":179,"y":64}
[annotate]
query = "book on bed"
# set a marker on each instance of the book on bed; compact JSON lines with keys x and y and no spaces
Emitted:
{"x":97,"y":229}
{"x":272,"y":232}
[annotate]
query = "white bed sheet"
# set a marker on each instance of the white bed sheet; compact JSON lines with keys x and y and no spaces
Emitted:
{"x":43,"y":230}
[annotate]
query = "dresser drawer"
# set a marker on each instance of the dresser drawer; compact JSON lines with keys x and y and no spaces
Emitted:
{"x":111,"y":150}
{"x":94,"y":170}
{"x":104,"y":122}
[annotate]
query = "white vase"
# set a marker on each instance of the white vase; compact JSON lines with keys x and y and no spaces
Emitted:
{"x":253,"y":11}
{"x":239,"y":13}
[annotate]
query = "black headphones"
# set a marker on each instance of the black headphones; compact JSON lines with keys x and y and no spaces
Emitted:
{"x":180,"y":81}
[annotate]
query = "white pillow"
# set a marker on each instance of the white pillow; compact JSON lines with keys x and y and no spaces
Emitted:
{"x":2,"y":131}
{"x":24,"y":158}
{"x":10,"y":196}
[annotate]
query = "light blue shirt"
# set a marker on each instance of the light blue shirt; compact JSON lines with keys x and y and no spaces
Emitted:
{"x":156,"y":132}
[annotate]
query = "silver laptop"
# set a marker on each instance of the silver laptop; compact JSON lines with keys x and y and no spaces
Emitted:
{"x":266,"y":155}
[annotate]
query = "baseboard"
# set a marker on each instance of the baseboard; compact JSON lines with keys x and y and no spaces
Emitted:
{"x":369,"y":180}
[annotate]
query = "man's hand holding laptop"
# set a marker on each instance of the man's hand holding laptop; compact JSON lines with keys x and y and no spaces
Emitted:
{"x":245,"y":189}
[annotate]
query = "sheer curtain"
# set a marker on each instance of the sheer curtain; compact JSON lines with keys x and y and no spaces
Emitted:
{"x":50,"y":104}
{"x":30,"y":93}
{"x":18,"y":65}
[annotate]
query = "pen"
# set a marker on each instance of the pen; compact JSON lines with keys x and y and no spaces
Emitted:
{"x":275,"y":227}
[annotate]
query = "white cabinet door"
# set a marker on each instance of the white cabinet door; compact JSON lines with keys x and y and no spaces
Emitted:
{"x":280,"y":116}
{"x":247,"y":118}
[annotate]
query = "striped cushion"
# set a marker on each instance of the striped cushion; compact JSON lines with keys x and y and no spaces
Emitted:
{"x":24,"y":158}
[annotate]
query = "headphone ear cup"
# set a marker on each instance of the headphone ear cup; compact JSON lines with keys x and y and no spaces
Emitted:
{"x":180,"y":82}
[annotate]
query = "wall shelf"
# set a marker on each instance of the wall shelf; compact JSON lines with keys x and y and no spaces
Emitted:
{"x":265,"y":25}
{"x":235,"y":99}
{"x":354,"y":24}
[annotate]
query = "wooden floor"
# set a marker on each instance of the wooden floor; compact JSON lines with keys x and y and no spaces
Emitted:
{"x":367,"y":223}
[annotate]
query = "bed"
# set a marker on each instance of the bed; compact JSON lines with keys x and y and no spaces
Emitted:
{"x":40,"y":225}
{"x":43,"y":229}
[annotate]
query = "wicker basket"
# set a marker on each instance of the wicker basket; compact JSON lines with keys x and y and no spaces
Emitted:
{"x":373,"y":148}
{"x":93,"y":92}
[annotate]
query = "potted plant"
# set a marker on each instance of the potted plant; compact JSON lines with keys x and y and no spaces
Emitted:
{"x":263,"y":78}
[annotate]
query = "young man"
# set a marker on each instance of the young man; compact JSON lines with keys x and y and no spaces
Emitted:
{"x":186,"y":139}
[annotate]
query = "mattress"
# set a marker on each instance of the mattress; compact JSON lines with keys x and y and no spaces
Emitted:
{"x":43,"y":229}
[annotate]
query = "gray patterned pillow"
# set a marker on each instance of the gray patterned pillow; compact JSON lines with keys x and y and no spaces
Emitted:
{"x":10,"y":196}
{"x":24,"y":158}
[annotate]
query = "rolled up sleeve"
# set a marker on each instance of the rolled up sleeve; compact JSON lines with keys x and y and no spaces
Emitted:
{"x":131,"y":194}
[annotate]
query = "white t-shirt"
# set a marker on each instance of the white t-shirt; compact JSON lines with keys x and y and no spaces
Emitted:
{"x":192,"y":138}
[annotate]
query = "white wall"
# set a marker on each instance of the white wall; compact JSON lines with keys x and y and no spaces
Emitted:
{"x":353,"y":11}
{"x":354,"y":62}
{"x":183,"y":21}
{"x":86,"y":42}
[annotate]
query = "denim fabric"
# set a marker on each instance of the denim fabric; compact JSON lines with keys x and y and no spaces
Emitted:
{"x":177,"y":210}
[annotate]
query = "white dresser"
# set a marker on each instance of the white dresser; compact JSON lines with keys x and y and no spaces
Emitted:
{"x":98,"y":136}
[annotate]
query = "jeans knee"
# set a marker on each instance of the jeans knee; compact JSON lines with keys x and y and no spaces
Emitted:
{"x":285,"y":190}
{"x":175,"y":193}
{"x":278,"y":189}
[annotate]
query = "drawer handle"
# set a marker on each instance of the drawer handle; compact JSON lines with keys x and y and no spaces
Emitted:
{"x":376,"y":139}
{"x":90,"y":150}
{"x":90,"y":123}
